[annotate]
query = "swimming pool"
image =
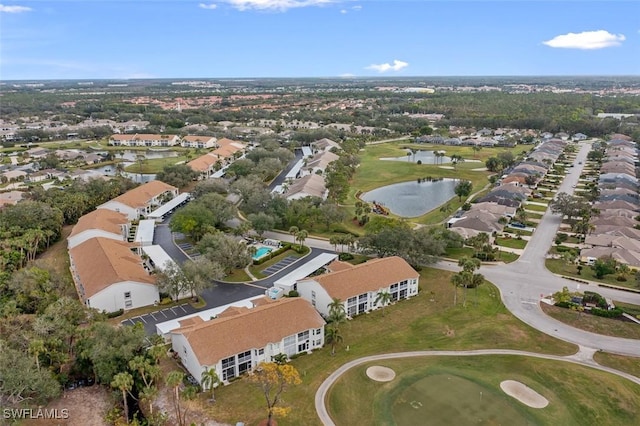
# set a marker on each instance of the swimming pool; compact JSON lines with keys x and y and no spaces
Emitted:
{"x":262,"y":251}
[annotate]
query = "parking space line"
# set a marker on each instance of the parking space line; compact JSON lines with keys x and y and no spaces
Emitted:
{"x":183,"y":309}
{"x":141,"y":319}
{"x":154,"y":318}
{"x":162,"y":312}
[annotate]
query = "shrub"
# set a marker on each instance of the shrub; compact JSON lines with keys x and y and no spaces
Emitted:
{"x":419,"y":162}
{"x":345,"y":256}
{"x":293,"y":293}
{"x":621,"y":278}
{"x":611,"y":313}
{"x":566,"y":305}
{"x":115,"y":314}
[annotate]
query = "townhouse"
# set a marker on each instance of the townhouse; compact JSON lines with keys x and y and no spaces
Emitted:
{"x":109,"y":276}
{"x":198,"y":142}
{"x":142,"y":200}
{"x":240,"y":338}
{"x":99,"y":223}
{"x":144,"y":139}
{"x":358,"y":286}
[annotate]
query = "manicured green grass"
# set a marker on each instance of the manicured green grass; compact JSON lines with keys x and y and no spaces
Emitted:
{"x":511,"y":243}
{"x":535,"y":207}
{"x":451,"y":390}
{"x":627,"y":364}
{"x":559,"y":266}
{"x":592,"y":323}
{"x":428,"y":321}
{"x":154,"y":165}
{"x":457,"y":253}
{"x":237,"y":276}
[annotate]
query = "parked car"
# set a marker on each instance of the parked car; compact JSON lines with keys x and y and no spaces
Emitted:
{"x":518,"y":225}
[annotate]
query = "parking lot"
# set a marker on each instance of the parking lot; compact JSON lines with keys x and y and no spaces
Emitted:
{"x":151,"y":319}
{"x":279,"y":266}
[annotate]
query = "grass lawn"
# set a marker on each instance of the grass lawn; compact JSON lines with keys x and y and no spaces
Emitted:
{"x":628,"y":364}
{"x":535,"y":207}
{"x":154,"y":165}
{"x":427,"y":321}
{"x":514,"y":243}
{"x":56,"y":258}
{"x":464,"y":391}
{"x":559,"y":266}
{"x":592,"y":323}
{"x":237,"y":276}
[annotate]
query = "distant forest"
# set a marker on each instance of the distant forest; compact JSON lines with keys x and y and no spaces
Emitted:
{"x":555,"y":104}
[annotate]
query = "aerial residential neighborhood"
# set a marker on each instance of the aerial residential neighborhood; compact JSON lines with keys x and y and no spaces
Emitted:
{"x":322,"y":251}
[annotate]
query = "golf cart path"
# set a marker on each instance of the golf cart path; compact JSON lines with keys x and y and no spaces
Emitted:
{"x":579,"y":358}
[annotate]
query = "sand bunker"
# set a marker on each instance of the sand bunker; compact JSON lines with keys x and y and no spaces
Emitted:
{"x":524,"y":394}
{"x":381,"y":374}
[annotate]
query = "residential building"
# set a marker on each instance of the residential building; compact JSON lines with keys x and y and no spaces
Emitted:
{"x":307,"y":186}
{"x":239,"y":339}
{"x":358,"y":287}
{"x":142,"y":200}
{"x":143,"y":139}
{"x":199,"y":141}
{"x":109,"y":276}
{"x":99,"y":223}
{"x":10,"y":198}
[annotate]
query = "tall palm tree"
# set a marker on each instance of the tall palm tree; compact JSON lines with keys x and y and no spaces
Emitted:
{"x":293,"y":231}
{"x":123,"y":382}
{"x":174,"y":380}
{"x":36,"y":347}
{"x":333,"y":337}
{"x":301,"y":235}
{"x":383,"y":298}
{"x":337,"y":312}
{"x":210,"y":380}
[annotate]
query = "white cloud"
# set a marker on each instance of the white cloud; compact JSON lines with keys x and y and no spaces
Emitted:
{"x":357,"y":7}
{"x":279,"y":5}
{"x":210,"y":6}
{"x":396,"y":66}
{"x":587,"y":40}
{"x":14,"y":9}
{"x":343,"y":11}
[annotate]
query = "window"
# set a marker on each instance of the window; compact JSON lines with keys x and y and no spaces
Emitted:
{"x":313,"y":298}
{"x":127,"y":295}
{"x":244,"y":362}
{"x":290,"y":345}
{"x":128,"y":303}
{"x":229,"y":368}
{"x":363,"y":301}
{"x":261,"y":351}
{"x":352,"y":306}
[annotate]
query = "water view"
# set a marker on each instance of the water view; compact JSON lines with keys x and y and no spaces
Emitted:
{"x":412,"y":199}
{"x":425,"y":157}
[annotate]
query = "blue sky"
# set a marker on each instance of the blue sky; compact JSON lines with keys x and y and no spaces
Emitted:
{"x":316,"y":38}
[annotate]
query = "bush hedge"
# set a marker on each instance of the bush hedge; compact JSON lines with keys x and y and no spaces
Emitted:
{"x":607,"y":313}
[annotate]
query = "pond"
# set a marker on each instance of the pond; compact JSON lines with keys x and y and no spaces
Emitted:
{"x":412,"y":199}
{"x":426,"y":157}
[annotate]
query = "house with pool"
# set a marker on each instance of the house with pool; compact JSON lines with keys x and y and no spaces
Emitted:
{"x":358,"y":286}
{"x":240,"y":338}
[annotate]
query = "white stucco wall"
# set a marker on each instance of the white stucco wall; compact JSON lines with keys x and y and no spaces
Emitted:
{"x":117,"y":206}
{"x":112,"y":298}
{"x":91,"y":233}
{"x":322,"y":299}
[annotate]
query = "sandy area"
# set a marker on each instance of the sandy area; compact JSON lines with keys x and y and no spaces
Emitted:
{"x":381,"y":374}
{"x":86,"y":406}
{"x":524,"y":394}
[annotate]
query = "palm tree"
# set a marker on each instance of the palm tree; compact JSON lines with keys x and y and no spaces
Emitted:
{"x":333,"y":337}
{"x":457,"y":280}
{"x":123,"y":382}
{"x":36,"y":347}
{"x":174,"y":380}
{"x":210,"y":380}
{"x":383,"y":298}
{"x":293,"y":231}
{"x":337,"y":312}
{"x":301,"y":235}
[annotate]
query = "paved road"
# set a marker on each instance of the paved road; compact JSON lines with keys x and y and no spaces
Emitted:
{"x":321,"y":393}
{"x":219,"y":294}
{"x":279,"y":180}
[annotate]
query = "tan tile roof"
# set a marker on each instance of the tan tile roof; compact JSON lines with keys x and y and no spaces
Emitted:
{"x":370,"y":276}
{"x":338,"y":265}
{"x":254,"y":328}
{"x":203,"y":163}
{"x":312,"y":185}
{"x":106,"y":220}
{"x":140,"y":196}
{"x":101,"y":262}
